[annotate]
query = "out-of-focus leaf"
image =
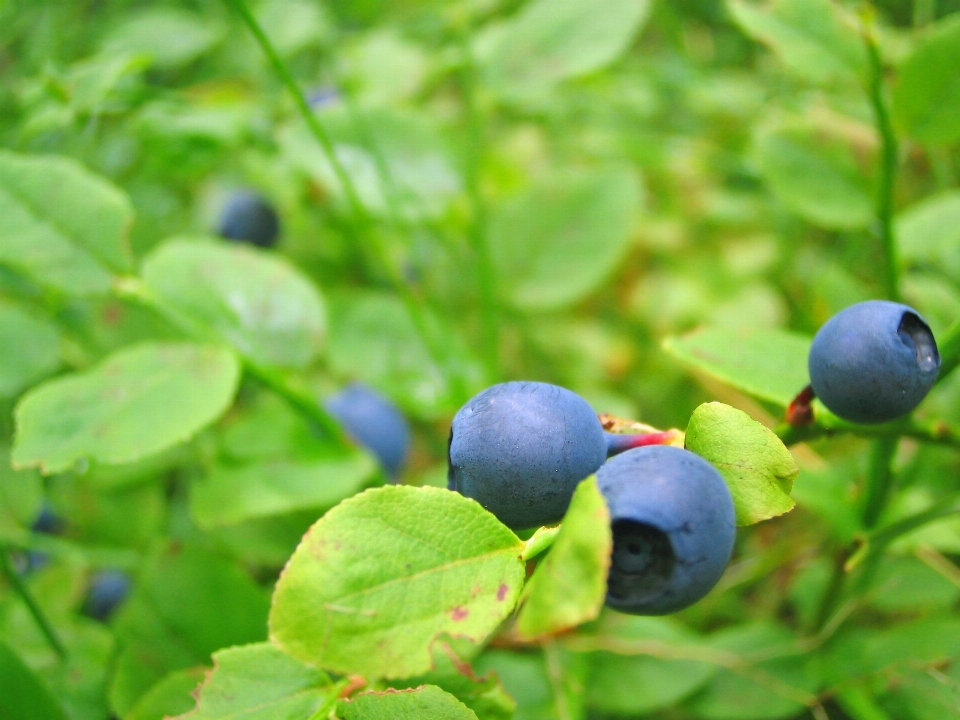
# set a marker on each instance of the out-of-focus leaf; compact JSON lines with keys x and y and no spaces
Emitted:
{"x":425,"y":703}
{"x":260,"y":682}
{"x":139,"y":401}
{"x":62,"y":225}
{"x":31,"y":349}
{"x":758,"y":468}
{"x":551,"y":40}
{"x":768,"y":364}
{"x":562,"y":238}
{"x":533,"y":684}
{"x":381,"y":576}
{"x":374,"y":339}
{"x":623,"y":683}
{"x":233,"y":495}
{"x":570,"y":584}
{"x":171,"y":696}
{"x":24,"y":695}
{"x":189,"y":603}
{"x":816,"y":175}
{"x":810,"y":37}
{"x":254,"y":300}
{"x":167,"y":36}
{"x":21,"y":494}
{"x":928,"y":233}
{"x":926,"y":97}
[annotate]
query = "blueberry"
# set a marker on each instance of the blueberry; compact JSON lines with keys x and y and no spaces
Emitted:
{"x":374,"y":422}
{"x":673,"y":528}
{"x":247,"y":217}
{"x":107,"y":590}
{"x":520,"y":448}
{"x":873,"y":362}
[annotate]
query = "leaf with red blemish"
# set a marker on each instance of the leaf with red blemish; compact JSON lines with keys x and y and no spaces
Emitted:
{"x":378,"y":579}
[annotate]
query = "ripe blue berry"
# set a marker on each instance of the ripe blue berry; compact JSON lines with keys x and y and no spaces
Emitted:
{"x":247,"y":217}
{"x":374,"y":422}
{"x":673,"y":528}
{"x":520,"y":448}
{"x":873,"y":362}
{"x":108,"y":589}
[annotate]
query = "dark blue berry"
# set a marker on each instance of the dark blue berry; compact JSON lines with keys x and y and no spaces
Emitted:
{"x":673,"y":528}
{"x":247,"y":217}
{"x":108,"y":588}
{"x":873,"y":362}
{"x":374,"y":422}
{"x":520,"y":448}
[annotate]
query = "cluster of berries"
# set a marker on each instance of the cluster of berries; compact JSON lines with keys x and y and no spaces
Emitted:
{"x":521,"y":448}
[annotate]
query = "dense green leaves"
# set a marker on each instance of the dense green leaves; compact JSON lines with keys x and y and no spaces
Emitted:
{"x":758,"y":469}
{"x":383,"y":575}
{"x":139,"y":401}
{"x":811,"y":37}
{"x":31,"y":349}
{"x":24,"y":695}
{"x":164,"y":36}
{"x":62,"y":225}
{"x":570,"y":584}
{"x":550,"y":40}
{"x":424,"y":703}
{"x":257,"y":302}
{"x":562,"y":238}
{"x":929,"y":233}
{"x":767,"y":363}
{"x":259,"y":682}
{"x":926,"y":98}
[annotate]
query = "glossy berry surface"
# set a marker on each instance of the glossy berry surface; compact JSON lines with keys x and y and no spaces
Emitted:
{"x":673,"y":527}
{"x":107,"y":590}
{"x":375,"y":422}
{"x":247,"y":217}
{"x":520,"y":448}
{"x":873,"y":362}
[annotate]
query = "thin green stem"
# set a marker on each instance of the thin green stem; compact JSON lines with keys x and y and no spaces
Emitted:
{"x":313,"y":122}
{"x":888,"y":164}
{"x":933,"y":432}
{"x":833,"y":591}
{"x":36,"y":611}
{"x":879,"y":480}
{"x":486,"y":275}
{"x":133,"y":289}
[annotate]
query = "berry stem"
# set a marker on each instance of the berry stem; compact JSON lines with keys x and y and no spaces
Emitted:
{"x":888,"y":160}
{"x":879,"y":480}
{"x":800,"y":411}
{"x":36,"y":611}
{"x":617,"y":444}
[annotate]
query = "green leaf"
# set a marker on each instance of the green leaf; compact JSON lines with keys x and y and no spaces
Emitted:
{"x":167,"y":37}
{"x":21,"y":495}
{"x":31,"y":349}
{"x":260,"y":682}
{"x":928,"y":233}
{"x":816,"y":175}
{"x":256,"y":301}
{"x":24,"y":695}
{"x":232,"y":495}
{"x":769,"y":364}
{"x":628,"y":684}
{"x":757,"y":466}
{"x":551,"y":40}
{"x":380,"y":577}
{"x":926,"y":98}
{"x":570,"y":584}
{"x":62,"y":225}
{"x":561,"y":239}
{"x":811,"y":37}
{"x":188,"y":603}
{"x":139,"y":401}
{"x":374,"y":339}
{"x":170,"y":696}
{"x":424,"y":703}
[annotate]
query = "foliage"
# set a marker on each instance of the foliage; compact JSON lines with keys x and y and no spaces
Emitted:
{"x":655,"y":204}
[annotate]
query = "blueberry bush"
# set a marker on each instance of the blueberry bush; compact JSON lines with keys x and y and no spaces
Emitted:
{"x":270,"y":271}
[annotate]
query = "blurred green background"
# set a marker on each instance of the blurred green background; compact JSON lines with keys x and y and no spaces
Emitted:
{"x":545,"y":190}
